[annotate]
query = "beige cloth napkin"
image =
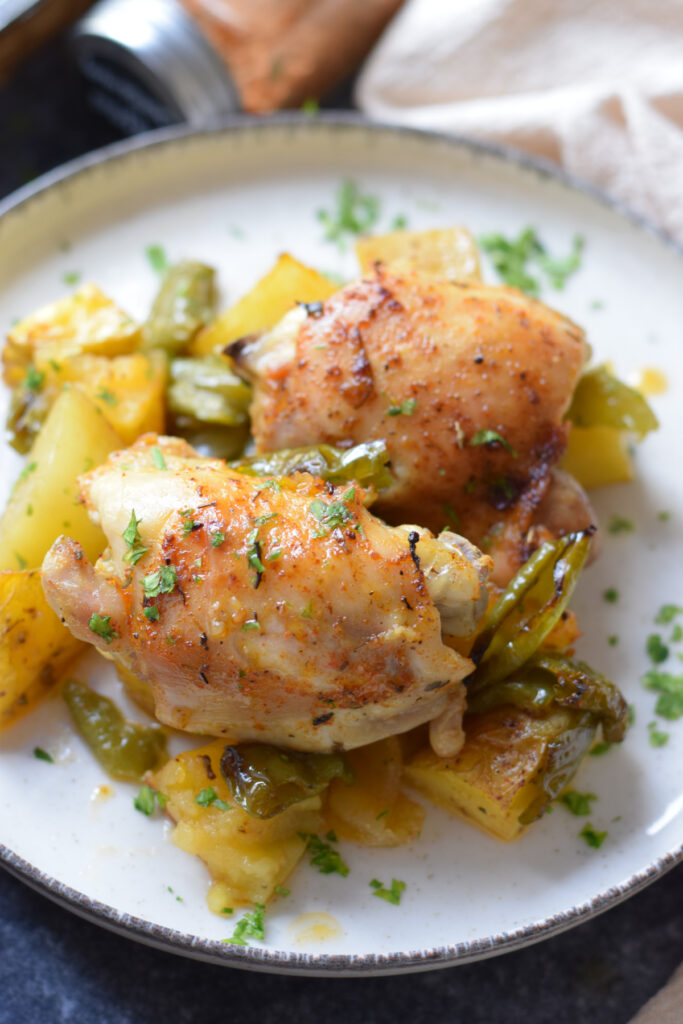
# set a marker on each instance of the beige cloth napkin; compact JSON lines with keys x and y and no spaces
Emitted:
{"x":595,"y":85}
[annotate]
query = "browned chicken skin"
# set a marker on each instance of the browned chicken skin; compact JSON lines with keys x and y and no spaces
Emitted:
{"x":288,"y":613}
{"x":433,"y":368}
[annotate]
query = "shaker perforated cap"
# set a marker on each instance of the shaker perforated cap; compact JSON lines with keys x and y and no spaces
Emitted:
{"x":149,"y":65}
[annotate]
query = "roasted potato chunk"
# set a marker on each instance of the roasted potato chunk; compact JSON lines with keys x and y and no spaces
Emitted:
{"x":499,"y":773}
{"x":85,"y":322}
{"x":287,"y":283}
{"x":45,"y":501}
{"x":450,"y":253}
{"x":374,"y":810}
{"x":35,"y":648}
{"x":246,"y":857}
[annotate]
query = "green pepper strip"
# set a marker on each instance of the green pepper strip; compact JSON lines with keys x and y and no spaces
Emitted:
{"x":124,"y":750}
{"x":600,"y":400}
{"x":564,"y":757}
{"x":549,"y":680}
{"x":265,"y":780}
{"x":510,"y":637}
{"x":366,"y":464}
{"x":185,"y":302}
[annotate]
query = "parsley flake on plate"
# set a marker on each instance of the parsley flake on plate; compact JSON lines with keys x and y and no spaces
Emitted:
{"x":656,"y":736}
{"x":656,"y":648}
{"x":250,"y":926}
{"x":620,"y":524}
{"x":158,"y":458}
{"x":667,"y":613}
{"x":511,"y":256}
{"x":157,"y":258}
{"x":670,"y":689}
{"x":391,"y":895}
{"x":593,"y":839}
{"x":578,"y":803}
{"x":208,"y":797}
{"x":355,"y":214}
{"x":144,"y":801}
{"x":42,"y":755}
{"x":323,"y":856}
{"x":405,"y":408}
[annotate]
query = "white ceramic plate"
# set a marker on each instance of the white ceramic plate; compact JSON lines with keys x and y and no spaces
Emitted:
{"x":235,"y":197}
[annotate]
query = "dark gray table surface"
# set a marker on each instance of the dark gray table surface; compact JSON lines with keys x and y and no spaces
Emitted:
{"x":55,"y":967}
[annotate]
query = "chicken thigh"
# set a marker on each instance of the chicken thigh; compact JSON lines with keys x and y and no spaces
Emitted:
{"x":275,"y":610}
{"x":467,"y":384}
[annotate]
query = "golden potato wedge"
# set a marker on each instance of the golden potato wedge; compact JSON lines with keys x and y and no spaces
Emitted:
{"x":246,"y":857}
{"x":45,"y":501}
{"x":128,"y":389}
{"x":285,"y":284}
{"x":596,"y":456}
{"x":85,"y":322}
{"x":35,"y":648}
{"x":497,"y":775}
{"x":374,"y":811}
{"x":445,"y":252}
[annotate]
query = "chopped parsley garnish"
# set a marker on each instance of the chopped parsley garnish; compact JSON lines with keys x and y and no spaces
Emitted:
{"x":227,"y":910}
{"x":160,"y":582}
{"x":664,"y":516}
{"x":657,"y":737}
{"x":254,"y":555}
{"x":406,"y":408}
{"x":107,"y":396}
{"x":331,"y":516}
{"x":151,"y":612}
{"x":382,"y":814}
{"x":249,"y":926}
{"x":209,"y":798}
{"x":355,"y":214}
{"x":670,"y":689}
{"x":620,"y":524}
{"x":144,"y":801}
{"x":217,"y":538}
{"x":71,"y":277}
{"x":131,"y":535}
{"x":592,"y":838}
{"x":274,"y":555}
{"x":162,"y":799}
{"x":578,"y":803}
{"x":667,"y":613}
{"x":307,"y":610}
{"x":613,"y":640}
{"x":392,"y":895}
{"x":42,"y":755}
{"x":266,"y":518}
{"x":158,"y":260}
{"x":34,"y":379}
{"x":510,"y":258}
{"x":399,"y":222}
{"x":101,"y":626}
{"x":310,"y":107}
{"x":31,"y":468}
{"x":677,"y":633}
{"x":158,"y":458}
{"x":324,"y":857}
{"x":599,"y":749}
{"x":611,"y":595}
{"x":188,"y":524}
{"x":251,"y":624}
{"x":280,"y":890}
{"x":656,"y":648}
{"x":491,"y":437}
{"x":21,"y":561}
